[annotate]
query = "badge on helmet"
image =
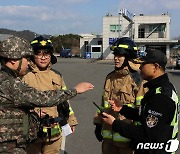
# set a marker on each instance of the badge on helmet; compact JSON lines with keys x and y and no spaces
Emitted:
{"x":42,"y":42}
{"x":125,"y":46}
{"x":15,"y":48}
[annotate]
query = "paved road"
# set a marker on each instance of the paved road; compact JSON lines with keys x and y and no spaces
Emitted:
{"x":75,"y":71}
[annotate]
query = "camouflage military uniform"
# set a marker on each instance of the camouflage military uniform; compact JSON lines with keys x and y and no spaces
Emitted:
{"x":18,"y":123}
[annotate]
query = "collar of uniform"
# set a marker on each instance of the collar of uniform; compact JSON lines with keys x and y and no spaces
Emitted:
{"x":124,"y":71}
{"x":8,"y":71}
{"x":34,"y":68}
{"x":157,"y":82}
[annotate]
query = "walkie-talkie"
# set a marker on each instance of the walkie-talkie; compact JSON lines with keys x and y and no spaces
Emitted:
{"x":101,"y":110}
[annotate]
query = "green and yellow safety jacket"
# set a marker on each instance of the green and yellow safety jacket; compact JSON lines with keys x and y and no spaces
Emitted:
{"x":158,"y":115}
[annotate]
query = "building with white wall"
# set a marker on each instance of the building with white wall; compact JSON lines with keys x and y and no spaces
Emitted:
{"x":147,"y":31}
{"x":91,"y":44}
{"x":153,"y":31}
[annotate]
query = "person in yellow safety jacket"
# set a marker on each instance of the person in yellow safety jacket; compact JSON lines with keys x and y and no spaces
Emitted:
{"x":42,"y":77}
{"x":123,"y":85}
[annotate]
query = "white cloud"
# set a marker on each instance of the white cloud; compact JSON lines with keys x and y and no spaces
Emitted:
{"x":63,"y":2}
{"x":39,"y":19}
{"x":150,"y":6}
{"x":75,"y":16}
{"x":38,"y":13}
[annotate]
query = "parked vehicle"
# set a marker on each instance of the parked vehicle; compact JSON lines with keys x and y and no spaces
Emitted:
{"x":67,"y":53}
{"x":178,"y":62}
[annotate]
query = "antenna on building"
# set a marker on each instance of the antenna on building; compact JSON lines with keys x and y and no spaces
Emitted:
{"x":120,"y":22}
{"x":107,"y":14}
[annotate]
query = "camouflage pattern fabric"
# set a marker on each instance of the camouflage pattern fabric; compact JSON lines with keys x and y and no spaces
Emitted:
{"x":17,"y":122}
{"x":15,"y":48}
{"x":10,"y":147}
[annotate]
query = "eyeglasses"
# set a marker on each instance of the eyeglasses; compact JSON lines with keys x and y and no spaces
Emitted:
{"x":41,"y":54}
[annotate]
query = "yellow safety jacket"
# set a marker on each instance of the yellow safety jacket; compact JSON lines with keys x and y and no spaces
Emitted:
{"x":48,"y":80}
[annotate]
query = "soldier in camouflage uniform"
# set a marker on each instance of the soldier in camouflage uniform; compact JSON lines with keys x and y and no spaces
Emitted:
{"x":18,"y":123}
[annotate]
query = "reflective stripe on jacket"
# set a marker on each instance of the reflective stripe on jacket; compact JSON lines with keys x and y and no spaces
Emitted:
{"x":55,"y":131}
{"x":175,"y":120}
{"x":107,"y":134}
{"x":70,"y":108}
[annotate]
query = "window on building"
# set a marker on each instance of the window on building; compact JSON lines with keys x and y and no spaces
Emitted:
{"x":160,"y":47}
{"x":99,"y":42}
{"x":158,"y":28}
{"x":96,"y":49}
{"x":112,"y":28}
{"x":118,"y":28}
{"x":141,"y":33}
{"x":115,"y":28}
{"x":162,"y":28}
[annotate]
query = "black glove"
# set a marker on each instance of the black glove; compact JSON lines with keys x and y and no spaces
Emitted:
{"x":97,"y":132}
{"x":63,"y":110}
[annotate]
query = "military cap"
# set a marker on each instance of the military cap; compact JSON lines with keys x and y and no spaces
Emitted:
{"x":15,"y":48}
{"x":154,"y":56}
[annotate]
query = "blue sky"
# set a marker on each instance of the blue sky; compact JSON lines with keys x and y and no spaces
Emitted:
{"x":78,"y":16}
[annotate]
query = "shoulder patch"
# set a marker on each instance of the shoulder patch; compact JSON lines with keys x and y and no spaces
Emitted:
{"x":151,"y":120}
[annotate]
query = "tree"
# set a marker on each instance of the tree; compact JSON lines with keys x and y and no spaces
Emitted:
{"x":71,"y":41}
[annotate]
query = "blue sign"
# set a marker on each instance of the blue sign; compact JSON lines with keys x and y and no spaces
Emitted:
{"x":112,"y":40}
{"x":88,"y":55}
